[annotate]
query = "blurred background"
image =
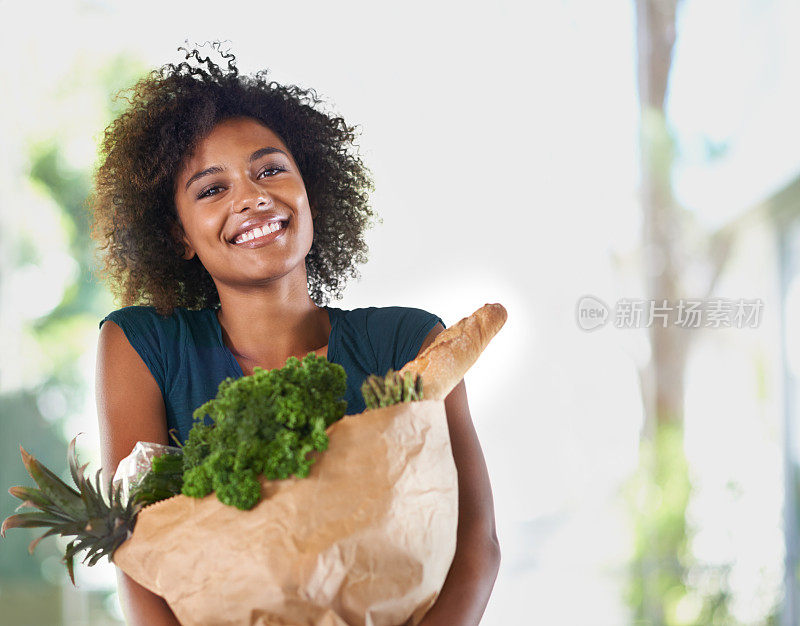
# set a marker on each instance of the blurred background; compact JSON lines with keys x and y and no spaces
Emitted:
{"x":542,"y":155}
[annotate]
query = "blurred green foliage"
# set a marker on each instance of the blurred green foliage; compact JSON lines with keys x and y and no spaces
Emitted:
{"x":64,"y":336}
{"x":668,"y":585}
{"x":658,"y":495}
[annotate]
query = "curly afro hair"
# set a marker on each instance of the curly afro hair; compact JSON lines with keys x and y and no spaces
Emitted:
{"x":169,"y":112}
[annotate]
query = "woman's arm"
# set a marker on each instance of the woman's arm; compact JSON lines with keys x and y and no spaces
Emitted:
{"x":129,"y":409}
{"x":469,"y":582}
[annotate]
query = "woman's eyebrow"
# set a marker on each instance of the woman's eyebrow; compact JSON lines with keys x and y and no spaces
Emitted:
{"x":216,"y":169}
{"x":265,"y":151}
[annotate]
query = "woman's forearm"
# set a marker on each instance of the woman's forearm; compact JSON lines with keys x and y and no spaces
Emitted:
{"x":141,"y":606}
{"x":469,"y":582}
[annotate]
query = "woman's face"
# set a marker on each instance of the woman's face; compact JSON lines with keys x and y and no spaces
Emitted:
{"x":243,"y":206}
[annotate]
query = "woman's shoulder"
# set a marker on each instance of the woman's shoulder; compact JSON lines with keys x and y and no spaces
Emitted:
{"x":392,"y":334}
{"x":148,"y":316}
{"x":381,"y":316}
{"x":162,"y":340}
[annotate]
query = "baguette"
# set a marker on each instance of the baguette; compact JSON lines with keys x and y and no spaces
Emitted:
{"x":443,"y":364}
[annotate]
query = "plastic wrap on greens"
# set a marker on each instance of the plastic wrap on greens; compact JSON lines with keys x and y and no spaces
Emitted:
{"x":132,"y":472}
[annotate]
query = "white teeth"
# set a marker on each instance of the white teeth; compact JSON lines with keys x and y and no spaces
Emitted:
{"x":258,"y":232}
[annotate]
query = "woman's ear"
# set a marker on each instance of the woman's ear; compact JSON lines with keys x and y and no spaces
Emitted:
{"x":181,"y":239}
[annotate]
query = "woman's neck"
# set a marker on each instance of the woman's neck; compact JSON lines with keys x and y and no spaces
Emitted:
{"x":267,"y":326}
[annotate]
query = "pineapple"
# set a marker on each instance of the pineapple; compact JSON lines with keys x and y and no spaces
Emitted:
{"x":98,"y":524}
{"x":379,"y":391}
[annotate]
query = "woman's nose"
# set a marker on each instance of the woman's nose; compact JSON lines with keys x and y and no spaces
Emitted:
{"x":250,"y":196}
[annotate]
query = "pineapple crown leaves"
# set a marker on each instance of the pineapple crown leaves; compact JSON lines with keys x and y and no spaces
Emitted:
{"x":99,"y":524}
{"x":380,"y":391}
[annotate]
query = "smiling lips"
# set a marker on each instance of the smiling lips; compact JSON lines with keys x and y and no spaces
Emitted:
{"x":260,"y":233}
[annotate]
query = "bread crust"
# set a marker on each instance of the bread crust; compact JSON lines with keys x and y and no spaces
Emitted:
{"x":443,"y":364}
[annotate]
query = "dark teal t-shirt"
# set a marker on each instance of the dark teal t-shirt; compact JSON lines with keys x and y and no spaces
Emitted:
{"x":188,"y":358}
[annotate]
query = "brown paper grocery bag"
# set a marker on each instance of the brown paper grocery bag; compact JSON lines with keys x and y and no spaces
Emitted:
{"x":366,"y":539}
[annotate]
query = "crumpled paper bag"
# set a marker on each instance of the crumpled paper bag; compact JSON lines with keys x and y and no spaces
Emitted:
{"x":366,"y":539}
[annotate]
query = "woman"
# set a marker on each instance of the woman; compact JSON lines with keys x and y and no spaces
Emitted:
{"x":229,"y":208}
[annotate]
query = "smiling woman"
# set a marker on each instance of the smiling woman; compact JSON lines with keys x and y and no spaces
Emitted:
{"x":158,"y":136}
{"x":230,"y":209}
{"x":253,"y":184}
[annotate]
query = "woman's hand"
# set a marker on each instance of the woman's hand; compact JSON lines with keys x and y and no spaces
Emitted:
{"x":469,"y":583}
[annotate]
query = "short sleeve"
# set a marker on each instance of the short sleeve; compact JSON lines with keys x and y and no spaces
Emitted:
{"x":397,"y":333}
{"x":142,"y":331}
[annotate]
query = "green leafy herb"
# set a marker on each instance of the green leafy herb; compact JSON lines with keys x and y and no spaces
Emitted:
{"x":266,"y":423}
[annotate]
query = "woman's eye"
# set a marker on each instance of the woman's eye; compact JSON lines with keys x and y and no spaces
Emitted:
{"x":271,"y":171}
{"x":209,"y":191}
